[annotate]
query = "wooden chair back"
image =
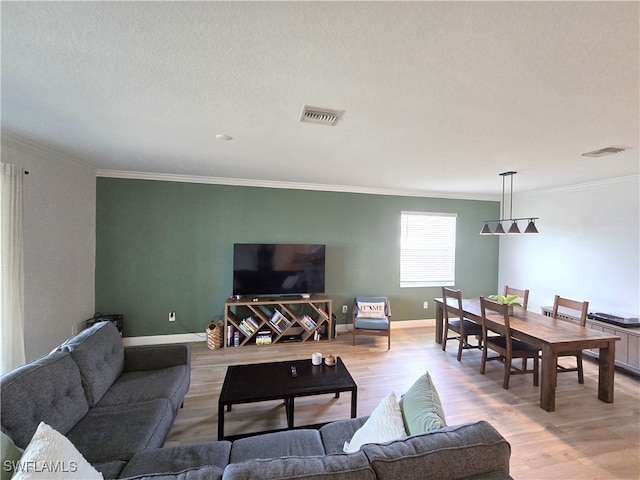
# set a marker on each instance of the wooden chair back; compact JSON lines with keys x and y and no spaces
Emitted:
{"x":580,"y":307}
{"x":452,"y":300}
{"x":497,"y":311}
{"x":523,"y":294}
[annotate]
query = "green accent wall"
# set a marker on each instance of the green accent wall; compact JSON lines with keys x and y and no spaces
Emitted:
{"x":168,"y":246}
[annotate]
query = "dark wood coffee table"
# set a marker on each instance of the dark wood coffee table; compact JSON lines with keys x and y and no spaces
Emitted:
{"x":260,"y":382}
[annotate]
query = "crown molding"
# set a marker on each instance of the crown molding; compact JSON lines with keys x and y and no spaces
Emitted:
{"x":47,"y":151}
{"x":246,"y":182}
{"x":41,"y":150}
{"x":628,"y":179}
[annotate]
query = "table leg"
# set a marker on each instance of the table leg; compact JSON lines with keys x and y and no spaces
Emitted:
{"x":288,"y":404}
{"x":439,"y":321}
{"x":337,"y":394}
{"x":549,"y":379}
{"x":354,"y":403}
{"x":220,"y":421}
{"x":606,"y":359}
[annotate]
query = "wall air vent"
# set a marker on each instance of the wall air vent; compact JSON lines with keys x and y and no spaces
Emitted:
{"x":321,"y":116}
{"x":604,"y":151}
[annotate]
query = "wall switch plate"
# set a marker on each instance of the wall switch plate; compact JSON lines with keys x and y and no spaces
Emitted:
{"x":172,"y":316}
{"x":344,"y":309}
{"x":425,"y":305}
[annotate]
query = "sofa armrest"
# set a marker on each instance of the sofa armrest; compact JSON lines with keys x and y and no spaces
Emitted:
{"x":154,"y":357}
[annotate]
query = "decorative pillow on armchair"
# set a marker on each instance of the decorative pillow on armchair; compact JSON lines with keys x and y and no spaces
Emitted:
{"x":371,"y":310}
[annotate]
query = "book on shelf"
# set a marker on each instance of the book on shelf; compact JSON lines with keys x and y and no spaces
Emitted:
{"x":308,"y":323}
{"x":323,"y":313}
{"x":263,"y":337}
{"x":279,"y":321}
{"x":244,"y":327}
{"x":229,"y":335}
{"x":252,"y":323}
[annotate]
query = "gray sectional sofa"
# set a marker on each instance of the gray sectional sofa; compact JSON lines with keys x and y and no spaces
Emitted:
{"x":469,"y":451}
{"x":110,"y":401}
{"x":117,"y":404}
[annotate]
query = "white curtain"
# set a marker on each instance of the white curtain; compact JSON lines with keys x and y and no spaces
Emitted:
{"x":11,"y":260}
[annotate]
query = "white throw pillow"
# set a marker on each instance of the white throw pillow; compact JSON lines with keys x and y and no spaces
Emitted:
{"x":384,"y":425}
{"x":371,"y":309}
{"x":51,"y":455}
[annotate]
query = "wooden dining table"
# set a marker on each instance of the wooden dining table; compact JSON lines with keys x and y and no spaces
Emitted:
{"x":553,"y":337}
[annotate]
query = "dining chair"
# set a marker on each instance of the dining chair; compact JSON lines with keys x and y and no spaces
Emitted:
{"x":454,"y":320}
{"x":504,"y":344}
{"x":522,"y":294}
{"x":372,"y":316}
{"x":577,"y":306}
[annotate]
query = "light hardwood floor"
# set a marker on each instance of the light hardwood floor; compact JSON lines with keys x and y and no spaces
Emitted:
{"x":583,"y":439}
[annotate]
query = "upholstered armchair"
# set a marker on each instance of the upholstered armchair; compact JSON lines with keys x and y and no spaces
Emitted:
{"x":372,"y":316}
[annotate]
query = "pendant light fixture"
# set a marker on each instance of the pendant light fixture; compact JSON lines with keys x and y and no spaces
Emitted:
{"x":513,"y":228}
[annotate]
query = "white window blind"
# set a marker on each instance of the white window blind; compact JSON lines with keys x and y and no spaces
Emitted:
{"x":427,"y":249}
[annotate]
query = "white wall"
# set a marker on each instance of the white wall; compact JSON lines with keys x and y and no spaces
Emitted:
{"x":587,"y":249}
{"x":59,"y":232}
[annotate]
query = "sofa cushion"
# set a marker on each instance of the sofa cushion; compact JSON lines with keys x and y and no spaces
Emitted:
{"x":110,"y":469}
{"x":51,"y":455}
{"x":155,"y":357}
{"x":209,"y":472}
{"x":99,"y":353}
{"x":179,"y":459}
{"x":301,"y":442}
{"x":132,"y":387}
{"x":384,"y":424}
{"x":48,"y":389}
{"x":117,"y":432}
{"x":465,"y":451}
{"x":338,"y":467}
{"x":334,"y":434}
{"x":421,"y":407}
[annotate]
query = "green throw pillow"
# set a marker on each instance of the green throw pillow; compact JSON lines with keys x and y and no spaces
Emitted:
{"x":10,"y":455}
{"x":421,"y":407}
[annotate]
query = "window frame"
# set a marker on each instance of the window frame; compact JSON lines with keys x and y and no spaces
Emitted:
{"x":444,"y":274}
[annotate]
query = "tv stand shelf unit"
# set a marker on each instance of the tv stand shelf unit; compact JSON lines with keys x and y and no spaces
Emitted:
{"x":282,"y":318}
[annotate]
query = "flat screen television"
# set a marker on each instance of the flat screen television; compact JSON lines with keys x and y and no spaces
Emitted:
{"x":278,"y":269}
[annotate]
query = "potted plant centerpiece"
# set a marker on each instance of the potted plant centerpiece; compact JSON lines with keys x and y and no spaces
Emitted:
{"x":511,"y":300}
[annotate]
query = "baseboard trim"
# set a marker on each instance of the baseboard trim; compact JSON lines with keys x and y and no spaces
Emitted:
{"x":342,"y":328}
{"x":162,"y":339}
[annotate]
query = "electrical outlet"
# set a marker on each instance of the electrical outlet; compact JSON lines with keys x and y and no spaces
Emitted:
{"x":344,"y":309}
{"x":172,"y":316}
{"x":425,"y":305}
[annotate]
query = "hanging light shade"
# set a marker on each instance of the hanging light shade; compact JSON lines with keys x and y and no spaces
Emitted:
{"x":531,"y":228}
{"x":513,"y":229}
{"x":486,"y":230}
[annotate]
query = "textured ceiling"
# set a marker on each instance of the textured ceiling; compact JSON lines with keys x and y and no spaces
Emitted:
{"x":439,"y":97}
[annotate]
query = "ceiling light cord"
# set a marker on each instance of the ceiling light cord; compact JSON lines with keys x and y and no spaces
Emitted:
{"x":513,"y":229}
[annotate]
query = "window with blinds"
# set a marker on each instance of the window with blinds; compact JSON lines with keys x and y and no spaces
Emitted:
{"x":427,"y":249}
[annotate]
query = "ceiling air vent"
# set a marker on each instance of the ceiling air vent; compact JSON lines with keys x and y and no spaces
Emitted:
{"x":321,"y":116}
{"x":604,"y":151}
